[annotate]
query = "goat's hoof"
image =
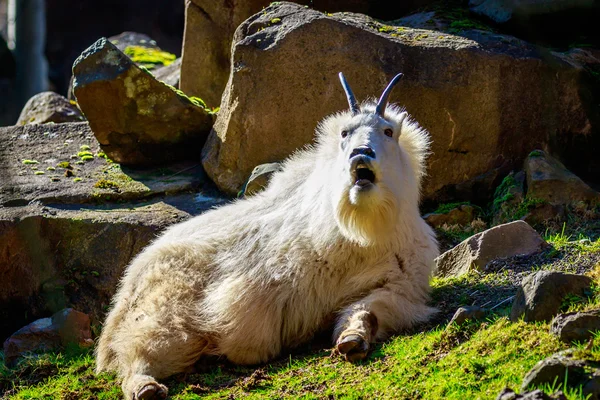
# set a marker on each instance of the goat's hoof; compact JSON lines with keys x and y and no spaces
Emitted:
{"x":354,"y":347}
{"x":151,"y":391}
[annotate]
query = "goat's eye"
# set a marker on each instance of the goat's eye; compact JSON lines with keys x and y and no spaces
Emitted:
{"x":344,"y":134}
{"x":388,"y":132}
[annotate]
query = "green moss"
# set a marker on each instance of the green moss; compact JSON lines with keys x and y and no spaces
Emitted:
{"x":87,"y":158}
{"x":106,"y":184}
{"x":536,"y":153}
{"x":444,"y":208}
{"x":64,"y":164}
{"x":85,"y":153}
{"x":503,"y":192}
{"x":39,"y":172}
{"x":77,"y":180}
{"x":79,"y":162}
{"x":84,"y":147}
{"x":29,"y":162}
{"x":50,"y":169}
{"x":149,"y":57}
{"x":276,"y":21}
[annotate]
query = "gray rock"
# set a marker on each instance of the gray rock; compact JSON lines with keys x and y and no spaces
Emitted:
{"x":169,"y":74}
{"x":137,"y":119}
{"x":549,"y":180}
{"x":578,"y":326}
{"x":49,"y":107}
{"x":461,"y":215}
{"x":127,"y":39}
{"x":553,"y":369}
{"x":260,"y":178}
{"x":540,"y":296}
{"x":266,"y":113}
{"x":507,"y":240}
{"x":50,"y":147}
{"x":65,"y":327}
{"x":467,"y":313}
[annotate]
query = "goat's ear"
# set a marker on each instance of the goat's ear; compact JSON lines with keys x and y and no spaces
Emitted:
{"x":400,"y":122}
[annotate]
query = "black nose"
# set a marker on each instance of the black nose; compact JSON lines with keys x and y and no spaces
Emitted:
{"x":364,"y":150}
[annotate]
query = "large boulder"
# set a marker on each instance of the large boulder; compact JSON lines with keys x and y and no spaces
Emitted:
{"x":210,"y":25}
{"x":49,"y":107}
{"x":484,"y":97}
{"x":137,"y":119}
{"x":550,"y":181}
{"x":507,"y":240}
{"x":68,"y":227}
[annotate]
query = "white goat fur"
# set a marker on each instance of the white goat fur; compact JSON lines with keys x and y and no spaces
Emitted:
{"x":251,"y":278}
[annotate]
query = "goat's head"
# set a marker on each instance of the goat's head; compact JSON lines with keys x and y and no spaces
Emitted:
{"x":377,"y":156}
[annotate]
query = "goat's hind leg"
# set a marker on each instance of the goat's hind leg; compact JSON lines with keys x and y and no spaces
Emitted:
{"x":153,"y":355}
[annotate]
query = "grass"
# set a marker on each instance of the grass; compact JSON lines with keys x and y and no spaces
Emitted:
{"x":473,"y":361}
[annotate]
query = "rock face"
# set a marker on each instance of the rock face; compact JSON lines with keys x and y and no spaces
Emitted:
{"x":461,"y":215}
{"x":458,"y":87}
{"x":260,"y":178}
{"x":65,"y":240}
{"x":136,"y":119}
{"x":209,"y":29}
{"x":49,"y":107}
{"x":573,"y":327}
{"x":540,"y":296}
{"x":65,"y":327}
{"x":507,"y":240}
{"x":549,"y":180}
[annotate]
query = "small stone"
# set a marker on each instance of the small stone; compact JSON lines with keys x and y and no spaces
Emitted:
{"x":578,"y":326}
{"x":507,"y":240}
{"x":260,"y":178}
{"x":65,"y":327}
{"x":549,"y":180}
{"x":461,"y":215}
{"x":555,"y":368}
{"x":49,"y":107}
{"x":466,"y":313}
{"x":540,"y":296}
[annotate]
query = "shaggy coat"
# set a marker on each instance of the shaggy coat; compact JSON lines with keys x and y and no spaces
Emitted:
{"x":251,"y":278}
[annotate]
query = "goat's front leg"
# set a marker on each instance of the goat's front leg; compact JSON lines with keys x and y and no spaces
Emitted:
{"x":374,"y":318}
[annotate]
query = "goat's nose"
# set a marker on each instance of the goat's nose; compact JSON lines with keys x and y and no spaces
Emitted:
{"x":364,"y":150}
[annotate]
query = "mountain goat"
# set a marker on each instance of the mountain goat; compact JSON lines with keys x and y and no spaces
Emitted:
{"x":335,"y":240}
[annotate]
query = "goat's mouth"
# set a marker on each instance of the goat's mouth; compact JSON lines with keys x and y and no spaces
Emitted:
{"x":363,"y":175}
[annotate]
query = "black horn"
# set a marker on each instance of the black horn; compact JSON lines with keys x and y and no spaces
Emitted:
{"x":383,"y":100}
{"x":351,"y":99}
